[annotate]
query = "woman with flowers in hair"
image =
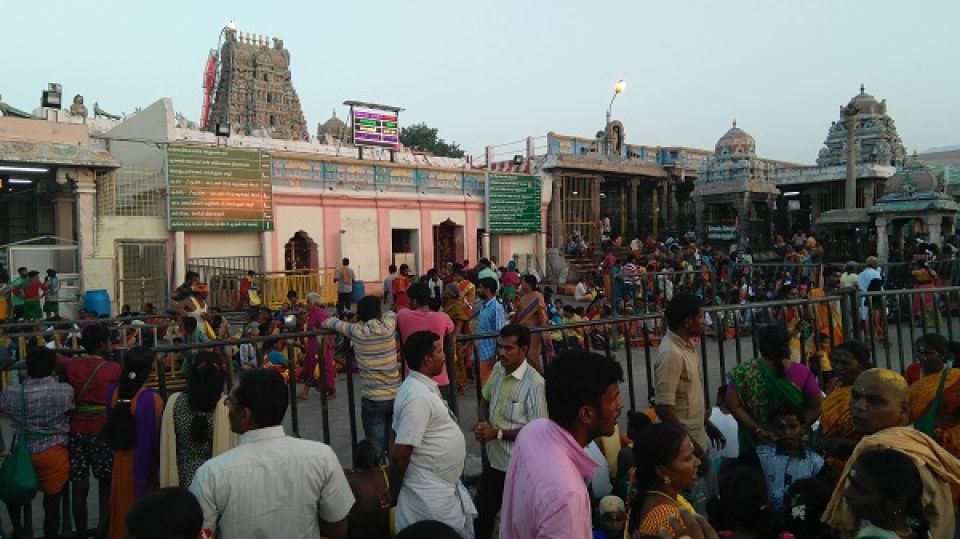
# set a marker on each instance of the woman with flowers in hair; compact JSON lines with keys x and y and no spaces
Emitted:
{"x":195,"y":425}
{"x":132,"y":430}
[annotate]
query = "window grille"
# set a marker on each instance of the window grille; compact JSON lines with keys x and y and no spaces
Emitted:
{"x":131,"y":193}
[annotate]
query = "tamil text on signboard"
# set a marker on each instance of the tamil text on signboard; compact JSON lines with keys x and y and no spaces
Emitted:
{"x":218,"y":189}
{"x":722,"y":232}
{"x":380,"y":129}
{"x":513,"y":204}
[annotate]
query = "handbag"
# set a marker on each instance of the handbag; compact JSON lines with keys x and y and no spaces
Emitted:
{"x":18,"y":479}
{"x":928,"y":422}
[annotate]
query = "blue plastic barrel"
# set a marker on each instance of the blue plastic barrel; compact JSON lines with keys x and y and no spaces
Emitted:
{"x":358,"y":291}
{"x":97,"y":301}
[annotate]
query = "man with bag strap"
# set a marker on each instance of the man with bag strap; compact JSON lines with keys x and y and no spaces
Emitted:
{"x":90,"y":375}
{"x":39,"y":407}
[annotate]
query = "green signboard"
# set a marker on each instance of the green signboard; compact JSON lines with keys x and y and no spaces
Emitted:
{"x":513,"y":204}
{"x":722,"y":232}
{"x":218,"y":189}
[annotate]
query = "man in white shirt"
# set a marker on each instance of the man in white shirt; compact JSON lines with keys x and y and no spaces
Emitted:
{"x":871,"y":280}
{"x":429,"y":449}
{"x":271,"y":485}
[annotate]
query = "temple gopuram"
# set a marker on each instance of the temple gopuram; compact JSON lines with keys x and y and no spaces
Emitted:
{"x":254,"y":89}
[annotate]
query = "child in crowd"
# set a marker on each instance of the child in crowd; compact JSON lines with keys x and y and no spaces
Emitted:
{"x":787,"y":460}
{"x":275,"y":357}
{"x":741,"y":508}
{"x":612,"y":516}
{"x":568,"y":338}
{"x":247,"y":354}
{"x":370,"y":516}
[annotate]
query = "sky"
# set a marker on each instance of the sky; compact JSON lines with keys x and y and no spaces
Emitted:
{"x":496,"y":71}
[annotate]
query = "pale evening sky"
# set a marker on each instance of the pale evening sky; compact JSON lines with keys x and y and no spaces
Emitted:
{"x":496,"y":71}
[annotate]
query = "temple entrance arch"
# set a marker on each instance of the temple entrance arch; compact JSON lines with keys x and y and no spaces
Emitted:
{"x":300,"y":253}
{"x":447,"y":243}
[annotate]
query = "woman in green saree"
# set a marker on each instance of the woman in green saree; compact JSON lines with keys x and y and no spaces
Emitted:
{"x":759,"y":386}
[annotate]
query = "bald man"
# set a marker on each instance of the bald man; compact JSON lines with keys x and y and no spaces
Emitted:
{"x":879,"y":407}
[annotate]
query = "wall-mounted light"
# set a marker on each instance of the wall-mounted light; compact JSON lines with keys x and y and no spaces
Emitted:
{"x":792,"y":194}
{"x":4,"y":168}
{"x":20,"y":181}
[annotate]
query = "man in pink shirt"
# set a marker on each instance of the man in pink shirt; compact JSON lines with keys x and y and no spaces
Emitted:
{"x":419,"y":317}
{"x":545,"y":494}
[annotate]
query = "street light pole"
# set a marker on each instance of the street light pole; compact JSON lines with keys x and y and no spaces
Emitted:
{"x":617,"y":90}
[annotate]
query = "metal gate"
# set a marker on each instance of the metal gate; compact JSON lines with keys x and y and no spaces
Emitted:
{"x":142,"y":273}
{"x":578,"y":204}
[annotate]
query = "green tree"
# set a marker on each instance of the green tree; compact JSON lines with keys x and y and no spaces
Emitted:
{"x":423,"y":138}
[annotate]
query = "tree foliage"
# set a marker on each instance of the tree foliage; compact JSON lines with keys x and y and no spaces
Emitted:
{"x":423,"y":138}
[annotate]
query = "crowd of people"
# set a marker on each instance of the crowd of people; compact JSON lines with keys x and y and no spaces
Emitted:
{"x":826,"y":445}
{"x":26,"y":297}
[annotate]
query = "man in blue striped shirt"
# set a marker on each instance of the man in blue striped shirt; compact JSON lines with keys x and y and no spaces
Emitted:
{"x":490,"y":319}
{"x":513,"y":397}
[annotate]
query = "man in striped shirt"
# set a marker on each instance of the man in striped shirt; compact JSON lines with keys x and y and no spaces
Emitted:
{"x":512,"y":397}
{"x":375,"y":348}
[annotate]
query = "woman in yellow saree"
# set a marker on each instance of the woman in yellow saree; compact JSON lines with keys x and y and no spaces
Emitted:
{"x":457,"y":311}
{"x":849,"y":359}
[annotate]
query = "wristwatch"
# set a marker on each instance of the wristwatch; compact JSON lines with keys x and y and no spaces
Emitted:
{"x":499,"y":434}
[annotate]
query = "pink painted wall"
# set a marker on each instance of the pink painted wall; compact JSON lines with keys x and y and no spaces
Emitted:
{"x":331,"y":235}
{"x":332,"y":203}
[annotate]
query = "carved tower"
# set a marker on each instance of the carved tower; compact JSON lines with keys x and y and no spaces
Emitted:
{"x":255,"y":91}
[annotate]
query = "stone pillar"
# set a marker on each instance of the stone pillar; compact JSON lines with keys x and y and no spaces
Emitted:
{"x":86,"y":198}
{"x":814,"y":206}
{"x":180,"y":257}
{"x":266,"y":252}
{"x":869,"y":193}
{"x":63,"y":215}
{"x":632,"y":209}
{"x":883,"y":249}
{"x":485,"y":240}
{"x":655,"y":211}
{"x":934,"y":234}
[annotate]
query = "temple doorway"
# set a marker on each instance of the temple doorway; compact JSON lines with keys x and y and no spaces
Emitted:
{"x":447,"y":243}
{"x":300,"y":253}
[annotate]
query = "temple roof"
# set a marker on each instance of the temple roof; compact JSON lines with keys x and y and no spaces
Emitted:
{"x":735,"y":144}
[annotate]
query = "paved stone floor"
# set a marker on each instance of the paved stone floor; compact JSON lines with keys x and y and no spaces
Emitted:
{"x":721,"y":355}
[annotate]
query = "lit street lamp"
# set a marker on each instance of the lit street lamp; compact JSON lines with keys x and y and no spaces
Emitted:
{"x":617,"y":90}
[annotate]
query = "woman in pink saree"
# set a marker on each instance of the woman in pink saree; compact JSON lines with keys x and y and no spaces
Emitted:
{"x":311,"y":373}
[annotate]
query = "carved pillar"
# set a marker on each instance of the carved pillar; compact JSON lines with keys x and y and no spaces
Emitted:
{"x":633,"y":208}
{"x":883,"y":250}
{"x":934,"y":234}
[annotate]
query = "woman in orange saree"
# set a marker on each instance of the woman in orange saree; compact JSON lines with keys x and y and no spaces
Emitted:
{"x":532,"y":312}
{"x":935,"y":397}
